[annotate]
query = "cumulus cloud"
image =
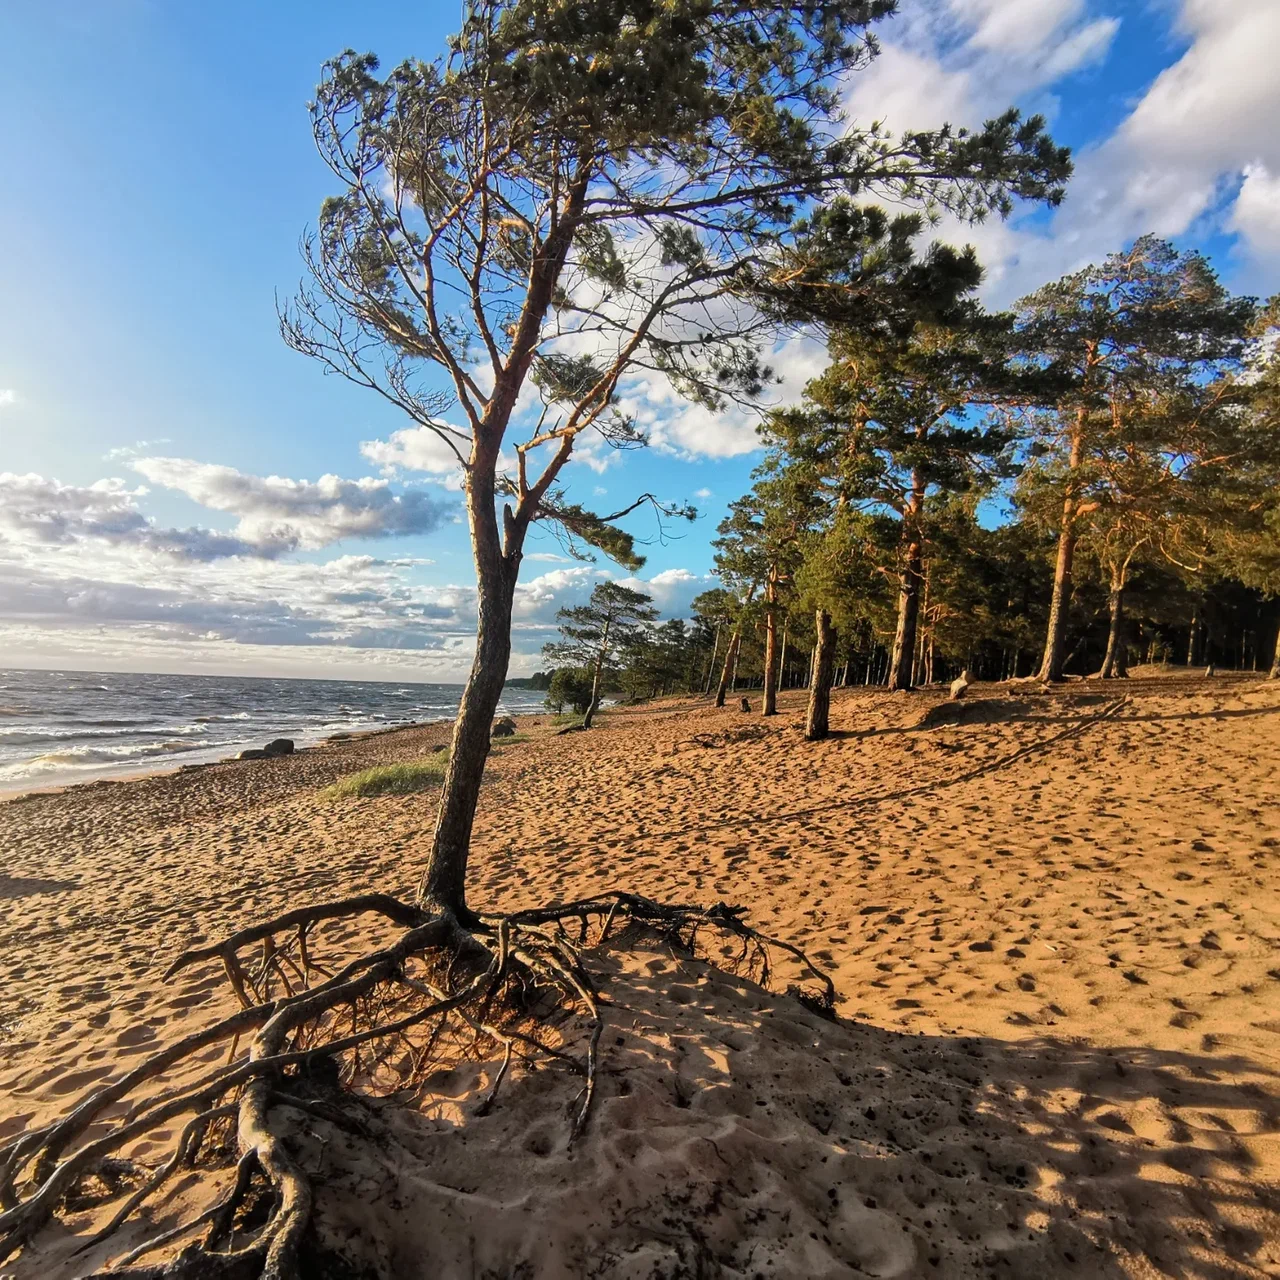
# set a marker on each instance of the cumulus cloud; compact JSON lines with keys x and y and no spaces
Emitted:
{"x":277,"y":515}
{"x":8,"y":396}
{"x":79,"y":577}
{"x":34,"y":510}
{"x":1197,"y":153}
{"x":1256,"y":216}
{"x":415,"y":449}
{"x":962,"y":61}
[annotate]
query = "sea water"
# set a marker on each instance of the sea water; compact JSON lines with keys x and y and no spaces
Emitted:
{"x":68,"y":726}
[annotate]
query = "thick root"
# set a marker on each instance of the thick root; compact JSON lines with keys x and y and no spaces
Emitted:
{"x":322,"y":1038}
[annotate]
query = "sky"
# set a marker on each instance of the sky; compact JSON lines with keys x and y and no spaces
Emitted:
{"x":179,"y":491}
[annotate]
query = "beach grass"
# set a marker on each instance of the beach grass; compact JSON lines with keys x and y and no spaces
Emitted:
{"x":390,"y":779}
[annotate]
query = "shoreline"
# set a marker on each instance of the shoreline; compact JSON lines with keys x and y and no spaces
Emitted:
{"x":1056,"y":925}
{"x":106,"y":776}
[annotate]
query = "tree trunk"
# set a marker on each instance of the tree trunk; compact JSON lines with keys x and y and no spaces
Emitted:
{"x":1054,"y":663}
{"x":595,"y":679}
{"x":782,"y":661}
{"x":904,"y":640}
{"x":770,"y":700}
{"x":1115,"y":665}
{"x":1191,"y":642}
{"x":1275,"y":661}
{"x":902,"y":663}
{"x":443,"y":884}
{"x":817,"y":722}
{"x":711,"y":666}
{"x":730,"y":664}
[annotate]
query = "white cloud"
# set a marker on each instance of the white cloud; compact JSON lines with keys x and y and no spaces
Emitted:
{"x":277,"y":514}
{"x":1256,"y":216}
{"x":127,"y":452}
{"x":36,"y":511}
{"x":415,"y":449}
{"x":704,"y":494}
{"x":8,"y":396}
{"x":1196,"y":154}
{"x":962,"y":61}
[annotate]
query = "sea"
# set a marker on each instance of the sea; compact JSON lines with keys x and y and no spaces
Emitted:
{"x":58,"y":727}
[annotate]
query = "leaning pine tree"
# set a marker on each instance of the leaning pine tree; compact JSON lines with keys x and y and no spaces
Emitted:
{"x":592,"y":633}
{"x":577,"y":196}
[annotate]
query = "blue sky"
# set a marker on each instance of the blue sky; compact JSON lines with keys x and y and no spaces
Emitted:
{"x":160,"y":173}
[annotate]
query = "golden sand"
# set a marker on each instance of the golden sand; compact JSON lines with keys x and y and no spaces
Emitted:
{"x":1053,"y":920}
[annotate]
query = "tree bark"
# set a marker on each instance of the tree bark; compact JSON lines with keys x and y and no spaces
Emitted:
{"x":1054,"y":663}
{"x":782,"y":661}
{"x":770,"y":700}
{"x":902,"y":663}
{"x":1275,"y":661}
{"x":443,"y":884}
{"x":1115,"y":665}
{"x":817,"y":721}
{"x":595,"y":679}
{"x":730,"y":663}
{"x":1191,"y":642}
{"x":904,"y":640}
{"x":711,"y":666}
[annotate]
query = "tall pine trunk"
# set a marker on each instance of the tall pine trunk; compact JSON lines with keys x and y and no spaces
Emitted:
{"x":1115,"y":666}
{"x":817,"y":721}
{"x":730,"y":664}
{"x":443,"y":884}
{"x":595,"y":679}
{"x":904,"y":640}
{"x":902,"y":663}
{"x":711,"y":665}
{"x":1055,"y":656}
{"x":770,"y":701}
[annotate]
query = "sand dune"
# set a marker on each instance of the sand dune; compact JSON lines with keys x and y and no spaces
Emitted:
{"x":1053,"y":919}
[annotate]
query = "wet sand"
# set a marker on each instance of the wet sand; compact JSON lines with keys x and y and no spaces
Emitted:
{"x":1054,"y":922}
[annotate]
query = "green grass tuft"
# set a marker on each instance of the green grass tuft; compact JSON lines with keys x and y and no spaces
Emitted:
{"x":390,"y":779}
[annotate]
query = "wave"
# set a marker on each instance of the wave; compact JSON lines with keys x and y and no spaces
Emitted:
{"x":239,"y":715}
{"x":88,"y":757}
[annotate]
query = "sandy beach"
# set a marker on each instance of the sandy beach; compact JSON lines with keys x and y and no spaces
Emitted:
{"x":1053,"y":919}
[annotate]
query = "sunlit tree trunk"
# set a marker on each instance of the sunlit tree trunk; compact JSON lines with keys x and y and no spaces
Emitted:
{"x":770,"y":700}
{"x":595,"y":679}
{"x":782,"y":660}
{"x":443,"y":884}
{"x":711,"y":664}
{"x":1051,"y":668}
{"x":817,"y":721}
{"x":730,"y":664}
{"x":1115,"y":665}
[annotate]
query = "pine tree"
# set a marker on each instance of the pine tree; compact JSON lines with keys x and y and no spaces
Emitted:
{"x":564,"y":200}
{"x":594,"y":632}
{"x":1146,"y":323}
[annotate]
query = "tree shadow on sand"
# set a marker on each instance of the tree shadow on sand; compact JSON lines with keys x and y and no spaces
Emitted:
{"x":25,"y":886}
{"x":738,"y":1133}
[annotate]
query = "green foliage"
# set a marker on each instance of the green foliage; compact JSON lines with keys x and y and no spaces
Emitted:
{"x":570,"y":687}
{"x":591,"y":633}
{"x":390,"y":779}
{"x":574,"y":192}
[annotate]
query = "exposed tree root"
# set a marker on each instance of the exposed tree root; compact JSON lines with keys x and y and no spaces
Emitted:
{"x":317,"y":1037}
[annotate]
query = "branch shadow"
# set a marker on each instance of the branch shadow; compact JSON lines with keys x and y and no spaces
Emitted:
{"x":737,"y":1133}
